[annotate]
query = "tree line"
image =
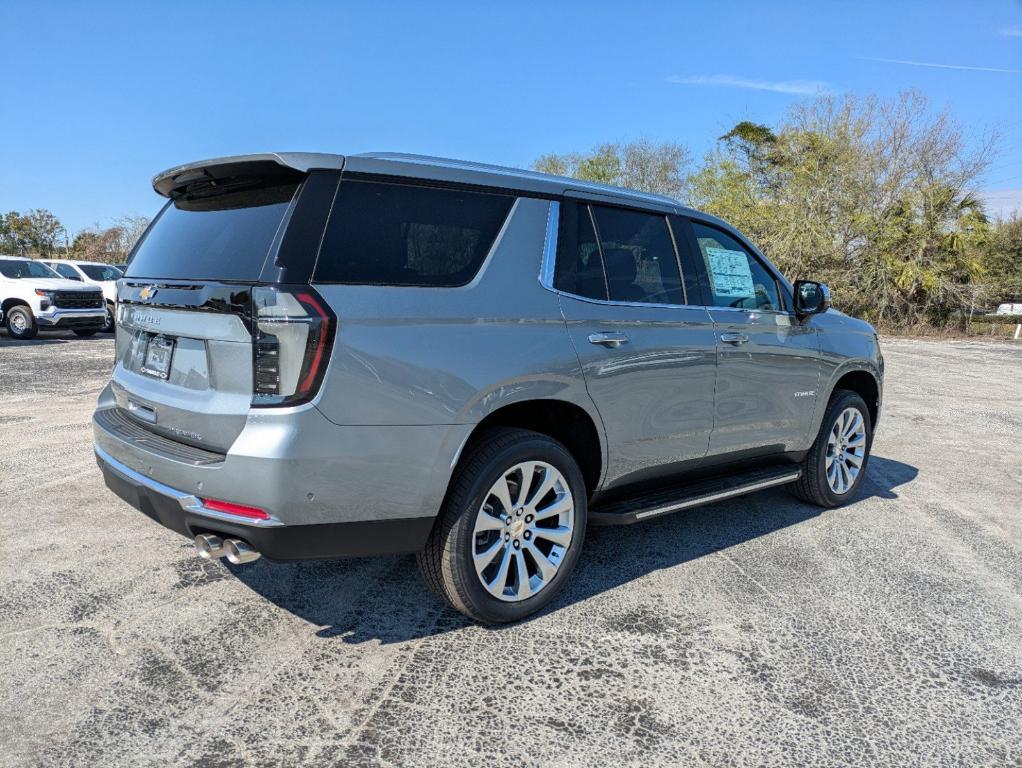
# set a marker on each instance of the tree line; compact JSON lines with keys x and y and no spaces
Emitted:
{"x":875,"y":197}
{"x":39,"y":234}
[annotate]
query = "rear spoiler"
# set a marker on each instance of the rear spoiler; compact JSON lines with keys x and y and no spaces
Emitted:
{"x":286,"y":166}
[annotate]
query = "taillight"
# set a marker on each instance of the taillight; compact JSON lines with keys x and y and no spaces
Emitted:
{"x":292,"y":335}
{"x":241,"y":510}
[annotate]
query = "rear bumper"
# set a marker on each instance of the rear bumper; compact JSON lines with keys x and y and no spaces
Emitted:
{"x":185,"y":514}
{"x":331,"y":490}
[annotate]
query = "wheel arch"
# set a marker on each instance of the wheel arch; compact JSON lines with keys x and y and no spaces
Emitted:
{"x":865,"y":383}
{"x":8,"y":304}
{"x":564,"y":421}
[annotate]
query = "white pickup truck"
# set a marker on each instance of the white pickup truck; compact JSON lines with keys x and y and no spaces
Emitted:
{"x":33,"y":298}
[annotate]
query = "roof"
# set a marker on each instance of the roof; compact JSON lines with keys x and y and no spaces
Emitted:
{"x":414,"y":166}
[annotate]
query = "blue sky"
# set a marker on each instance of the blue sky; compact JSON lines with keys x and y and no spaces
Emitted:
{"x":100,"y":96}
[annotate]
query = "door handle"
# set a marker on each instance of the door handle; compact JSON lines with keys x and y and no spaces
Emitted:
{"x":608,"y":339}
{"x":730,"y":337}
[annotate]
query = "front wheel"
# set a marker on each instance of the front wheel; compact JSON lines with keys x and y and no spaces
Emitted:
{"x":108,"y":322}
{"x":833,"y":469}
{"x":511,"y":528}
{"x":21,"y":323}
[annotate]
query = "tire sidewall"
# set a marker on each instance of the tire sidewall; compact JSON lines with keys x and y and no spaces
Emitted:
{"x":837,"y":406}
{"x":462,"y":541}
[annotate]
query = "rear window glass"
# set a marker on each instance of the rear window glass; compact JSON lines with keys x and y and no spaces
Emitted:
{"x":639,"y":256}
{"x":393,"y":234}
{"x":220,"y":237}
{"x":579,"y":262}
{"x":101,"y":271}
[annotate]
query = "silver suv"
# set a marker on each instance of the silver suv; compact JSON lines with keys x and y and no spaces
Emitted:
{"x":320,"y":356}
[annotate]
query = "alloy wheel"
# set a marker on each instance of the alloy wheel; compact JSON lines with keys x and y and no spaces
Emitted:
{"x":522,"y":530}
{"x":846,"y":450}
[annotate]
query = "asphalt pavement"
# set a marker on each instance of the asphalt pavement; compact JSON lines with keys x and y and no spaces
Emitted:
{"x":759,"y":631}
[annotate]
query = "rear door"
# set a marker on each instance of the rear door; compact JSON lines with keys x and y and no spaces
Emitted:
{"x":184,"y":357}
{"x":768,"y":362}
{"x":648,"y":358}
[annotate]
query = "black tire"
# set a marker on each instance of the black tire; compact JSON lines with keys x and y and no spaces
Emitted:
{"x":813,"y":486}
{"x":110,"y":324}
{"x":86,"y":332}
{"x":21,"y":323}
{"x":447,"y":561}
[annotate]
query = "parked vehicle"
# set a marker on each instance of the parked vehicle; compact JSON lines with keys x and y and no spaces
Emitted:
{"x":94,"y":273}
{"x":1009,"y":308}
{"x":33,"y":298}
{"x":321,"y":356}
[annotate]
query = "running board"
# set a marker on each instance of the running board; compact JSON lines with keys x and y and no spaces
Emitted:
{"x":681,"y":497}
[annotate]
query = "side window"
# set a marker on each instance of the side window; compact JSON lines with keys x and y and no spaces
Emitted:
{"x":639,"y":256}
{"x":579,"y":262}
{"x":395,"y":234}
{"x":737,"y":279}
{"x":67,"y":271}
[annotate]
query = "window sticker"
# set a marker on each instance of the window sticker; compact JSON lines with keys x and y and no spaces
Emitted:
{"x":730,"y":274}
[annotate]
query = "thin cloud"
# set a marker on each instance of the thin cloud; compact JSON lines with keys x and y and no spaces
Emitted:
{"x":1011,"y":32}
{"x":802,"y":87}
{"x":942,"y":66}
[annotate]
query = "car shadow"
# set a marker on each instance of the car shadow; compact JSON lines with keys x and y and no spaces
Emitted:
{"x":396,"y":606}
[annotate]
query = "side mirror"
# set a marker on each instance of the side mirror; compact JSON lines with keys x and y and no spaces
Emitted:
{"x":811,"y":298}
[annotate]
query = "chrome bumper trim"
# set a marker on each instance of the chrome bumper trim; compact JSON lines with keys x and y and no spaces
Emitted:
{"x":54,"y":317}
{"x":188,"y":502}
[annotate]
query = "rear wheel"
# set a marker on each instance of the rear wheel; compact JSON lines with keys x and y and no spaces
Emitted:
{"x":833,"y":469}
{"x":21,"y":323}
{"x":511,"y":528}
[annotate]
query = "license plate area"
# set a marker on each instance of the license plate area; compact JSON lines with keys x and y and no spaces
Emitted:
{"x":159,"y":351}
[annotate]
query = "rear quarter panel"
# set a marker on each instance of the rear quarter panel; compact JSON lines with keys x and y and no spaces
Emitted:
{"x":435,"y":356}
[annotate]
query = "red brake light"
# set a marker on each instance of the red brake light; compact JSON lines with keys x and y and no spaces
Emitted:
{"x":291,"y":339}
{"x":235,"y":509}
{"x":312,"y":370}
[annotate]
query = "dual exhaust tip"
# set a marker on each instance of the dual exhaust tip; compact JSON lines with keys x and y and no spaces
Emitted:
{"x":212,"y":547}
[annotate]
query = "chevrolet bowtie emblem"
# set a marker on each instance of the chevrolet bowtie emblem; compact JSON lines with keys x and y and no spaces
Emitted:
{"x":147,"y":293}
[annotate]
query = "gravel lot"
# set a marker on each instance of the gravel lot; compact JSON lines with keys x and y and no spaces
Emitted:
{"x":758,"y":631}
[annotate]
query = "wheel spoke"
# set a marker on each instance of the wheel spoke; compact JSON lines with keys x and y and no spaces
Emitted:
{"x":546,"y":568}
{"x":556,"y":507}
{"x":487,"y":522}
{"x":523,"y":588}
{"x":501,"y":490}
{"x":853,"y":459}
{"x":527,"y":470}
{"x":857,"y":440}
{"x":483,"y":559}
{"x":550,"y":476}
{"x":496,"y":587}
{"x":846,"y":479}
{"x":560,"y":535}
